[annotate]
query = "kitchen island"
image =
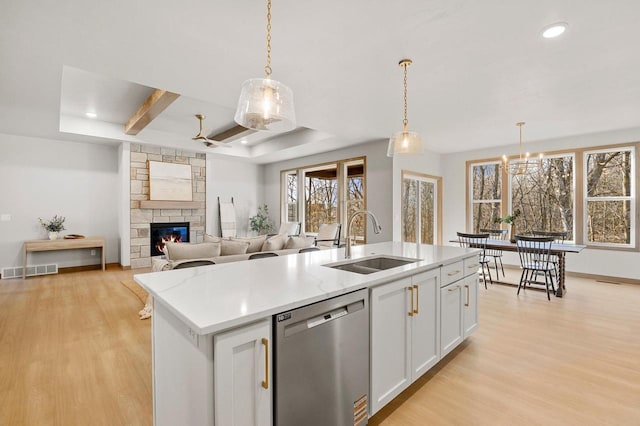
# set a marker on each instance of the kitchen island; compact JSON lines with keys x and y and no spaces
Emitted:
{"x":212,"y":325}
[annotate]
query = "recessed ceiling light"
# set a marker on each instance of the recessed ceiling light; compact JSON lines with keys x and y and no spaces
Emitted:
{"x":91,"y":114}
{"x":554,"y":30}
{"x":243,"y":141}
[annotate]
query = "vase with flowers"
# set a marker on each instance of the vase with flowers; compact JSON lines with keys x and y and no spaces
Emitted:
{"x":53,"y":226}
{"x":510,"y":220}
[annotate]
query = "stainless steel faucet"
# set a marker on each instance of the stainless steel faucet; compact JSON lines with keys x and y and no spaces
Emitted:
{"x":376,"y":228}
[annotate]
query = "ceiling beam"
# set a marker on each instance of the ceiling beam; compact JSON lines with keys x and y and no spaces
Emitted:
{"x":157,"y":102}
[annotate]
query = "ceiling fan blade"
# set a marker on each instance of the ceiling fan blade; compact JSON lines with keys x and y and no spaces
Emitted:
{"x":214,"y":144}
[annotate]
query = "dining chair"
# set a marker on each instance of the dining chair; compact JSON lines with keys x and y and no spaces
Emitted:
{"x":262,"y":255}
{"x":498,"y":234}
{"x":558,"y":237}
{"x":194,"y":263}
{"x":328,"y":235}
{"x":308,"y":249}
{"x":477,"y":241}
{"x":535,"y":257}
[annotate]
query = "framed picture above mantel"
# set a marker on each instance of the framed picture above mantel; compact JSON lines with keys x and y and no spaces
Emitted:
{"x":169,"y":182}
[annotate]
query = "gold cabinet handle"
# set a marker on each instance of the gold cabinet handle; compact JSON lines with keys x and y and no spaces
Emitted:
{"x":467,"y":302}
{"x":453,"y":273}
{"x":475,"y":265}
{"x":411,"y":310}
{"x":454,"y":288}
{"x":415,"y":311}
{"x":265,"y":382}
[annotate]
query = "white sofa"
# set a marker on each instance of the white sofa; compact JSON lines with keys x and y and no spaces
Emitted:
{"x":224,"y":250}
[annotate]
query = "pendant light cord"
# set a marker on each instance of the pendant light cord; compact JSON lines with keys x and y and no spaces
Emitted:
{"x":405,"y":122}
{"x":267,"y":68}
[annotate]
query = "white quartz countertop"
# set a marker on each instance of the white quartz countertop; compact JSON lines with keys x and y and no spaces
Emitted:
{"x":218,"y":297}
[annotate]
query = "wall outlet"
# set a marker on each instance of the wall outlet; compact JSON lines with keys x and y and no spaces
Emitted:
{"x":5,"y":217}
{"x":93,"y":252}
{"x":193,"y":336}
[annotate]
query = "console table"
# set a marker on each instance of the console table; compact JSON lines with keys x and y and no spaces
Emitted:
{"x":63,"y":244}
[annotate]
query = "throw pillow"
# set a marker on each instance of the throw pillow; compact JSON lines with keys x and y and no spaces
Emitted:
{"x":255,"y":243}
{"x":183,"y":251}
{"x":298,"y":242}
{"x":229,"y":247}
{"x":274,"y":243}
{"x":211,"y":238}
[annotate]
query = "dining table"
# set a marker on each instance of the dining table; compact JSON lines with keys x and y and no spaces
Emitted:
{"x":558,"y":249}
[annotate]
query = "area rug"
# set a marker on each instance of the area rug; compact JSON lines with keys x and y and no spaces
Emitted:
{"x":141,"y":294}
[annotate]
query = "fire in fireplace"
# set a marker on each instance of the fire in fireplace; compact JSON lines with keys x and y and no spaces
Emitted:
{"x":167,"y":232}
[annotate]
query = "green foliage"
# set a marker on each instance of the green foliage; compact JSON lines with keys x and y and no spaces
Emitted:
{"x":260,"y":222}
{"x":54,"y":225}
{"x":510,"y":219}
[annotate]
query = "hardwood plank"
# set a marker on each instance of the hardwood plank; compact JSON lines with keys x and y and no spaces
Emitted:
{"x":72,"y":351}
{"x":153,"y":106}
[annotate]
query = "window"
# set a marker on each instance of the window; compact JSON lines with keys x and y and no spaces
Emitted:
{"x":321,"y":197}
{"x":420,"y":193}
{"x":544,"y":195}
{"x":589,"y":193}
{"x":486,"y":194}
{"x":291,"y":196}
{"x":355,"y":199}
{"x":326,"y":193}
{"x":609,"y":202}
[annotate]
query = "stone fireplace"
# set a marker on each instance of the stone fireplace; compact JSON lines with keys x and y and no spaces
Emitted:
{"x":144,"y":212}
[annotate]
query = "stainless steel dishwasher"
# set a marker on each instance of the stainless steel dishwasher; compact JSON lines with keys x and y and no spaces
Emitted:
{"x":322,"y":363}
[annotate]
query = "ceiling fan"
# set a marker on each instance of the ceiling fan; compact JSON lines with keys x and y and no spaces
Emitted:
{"x":204,"y":139}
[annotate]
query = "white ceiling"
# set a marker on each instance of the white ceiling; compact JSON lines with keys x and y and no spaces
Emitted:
{"x":478,"y":68}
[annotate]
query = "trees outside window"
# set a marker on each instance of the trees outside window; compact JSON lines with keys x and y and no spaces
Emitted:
{"x":609,"y":189}
{"x":321,"y":197}
{"x":291,"y":196}
{"x":589,"y":193}
{"x":325,"y":194}
{"x":545,"y":196}
{"x":419,"y":194}
{"x":486,"y":194}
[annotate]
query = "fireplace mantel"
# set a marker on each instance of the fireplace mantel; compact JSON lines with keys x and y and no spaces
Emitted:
{"x":154,"y":204}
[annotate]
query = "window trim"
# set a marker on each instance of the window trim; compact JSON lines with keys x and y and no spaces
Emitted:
{"x":471,"y":201}
{"x":633,"y":198}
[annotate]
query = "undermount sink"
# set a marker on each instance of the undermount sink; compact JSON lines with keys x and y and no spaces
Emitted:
{"x":371,"y":265}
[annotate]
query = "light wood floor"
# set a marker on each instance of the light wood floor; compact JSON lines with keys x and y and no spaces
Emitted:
{"x":72,"y":351}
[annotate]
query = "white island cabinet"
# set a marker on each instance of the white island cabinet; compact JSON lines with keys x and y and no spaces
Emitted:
{"x":212,"y":326}
{"x":404,"y":334}
{"x":242,"y":368}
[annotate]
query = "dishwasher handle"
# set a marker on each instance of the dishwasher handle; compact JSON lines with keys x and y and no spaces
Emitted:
{"x":323,"y":318}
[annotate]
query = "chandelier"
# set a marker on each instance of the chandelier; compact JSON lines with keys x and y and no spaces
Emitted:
{"x":524,"y":164}
{"x":405,"y":141}
{"x":266,"y":104}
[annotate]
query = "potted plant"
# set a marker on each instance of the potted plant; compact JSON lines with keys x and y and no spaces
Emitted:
{"x":53,"y":226}
{"x":261,"y":222}
{"x":510,"y":220}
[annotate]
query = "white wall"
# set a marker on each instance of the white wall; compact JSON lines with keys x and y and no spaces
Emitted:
{"x":232,"y":178}
{"x":42,"y":178}
{"x":124,"y":207}
{"x":599,"y":262}
{"x":379,"y":182}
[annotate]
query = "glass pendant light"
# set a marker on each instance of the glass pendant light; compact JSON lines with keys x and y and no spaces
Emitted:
{"x":266,"y":104}
{"x":405,"y":141}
